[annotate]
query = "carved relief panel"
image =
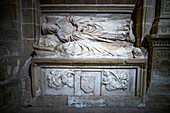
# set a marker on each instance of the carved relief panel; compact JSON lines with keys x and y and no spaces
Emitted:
{"x":118,"y":81}
{"x":161,"y":62}
{"x":59,"y":81}
{"x":165,"y":7}
{"x":88,"y":81}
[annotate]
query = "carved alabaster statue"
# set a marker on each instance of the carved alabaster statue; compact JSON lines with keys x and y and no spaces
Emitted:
{"x":87,"y":37}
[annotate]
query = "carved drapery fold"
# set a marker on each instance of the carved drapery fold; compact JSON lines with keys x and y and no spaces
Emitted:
{"x":85,"y":36}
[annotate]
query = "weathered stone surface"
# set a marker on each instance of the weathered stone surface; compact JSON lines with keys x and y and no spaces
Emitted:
{"x":1,"y":97}
{"x":28,"y":30}
{"x":9,"y":12}
{"x":36,"y":4}
{"x":28,"y":46}
{"x":138,"y":34}
{"x":10,"y":1}
{"x":165,"y":9}
{"x":50,"y":2}
{"x":118,"y":82}
{"x":118,"y":1}
{"x":86,"y":101}
{"x":52,"y":77}
{"x":3,"y":51}
{"x":147,"y":28}
{"x":28,"y":84}
{"x":59,"y":82}
{"x":117,"y":101}
{"x":71,"y":1}
{"x":150,"y":2}
{"x":104,"y":1}
{"x":28,"y":15}
{"x":10,"y":67}
{"x":37,"y":34}
{"x":60,"y":1}
{"x":138,"y":15}
{"x":10,"y":93}
{"x":14,"y":48}
{"x":88,"y":37}
{"x":27,"y":3}
{"x":87,"y":82}
{"x":7,"y":95}
{"x":10,"y":30}
{"x":3,"y":70}
{"x":158,"y":103}
{"x":50,"y":101}
{"x":61,"y":109}
{"x":15,"y":64}
{"x":161,"y":62}
{"x":149,"y":15}
{"x":89,"y":1}
{"x":37,"y":17}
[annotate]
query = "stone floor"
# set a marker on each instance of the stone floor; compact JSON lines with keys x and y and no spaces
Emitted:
{"x":85,"y":110}
{"x":161,"y":105}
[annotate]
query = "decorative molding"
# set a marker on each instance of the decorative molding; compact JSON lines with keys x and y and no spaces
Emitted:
{"x":78,"y":8}
{"x":164,"y":29}
{"x":160,"y":40}
{"x":161,"y":62}
{"x":165,"y":9}
{"x":161,"y":43}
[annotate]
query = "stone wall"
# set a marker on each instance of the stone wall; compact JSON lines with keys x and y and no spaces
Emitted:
{"x":31,"y":32}
{"x":11,"y":52}
{"x":19,"y":28}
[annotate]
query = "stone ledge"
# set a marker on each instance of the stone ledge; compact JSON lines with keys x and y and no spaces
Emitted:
{"x":89,"y":61}
{"x":114,"y":8}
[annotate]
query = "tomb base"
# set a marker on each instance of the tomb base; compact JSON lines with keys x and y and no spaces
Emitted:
{"x":90,"y":82}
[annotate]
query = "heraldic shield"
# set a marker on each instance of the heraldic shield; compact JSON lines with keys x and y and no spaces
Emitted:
{"x":87,"y":83}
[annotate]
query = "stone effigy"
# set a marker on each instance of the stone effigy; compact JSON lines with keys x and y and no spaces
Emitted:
{"x":87,"y":37}
{"x":86,"y":56}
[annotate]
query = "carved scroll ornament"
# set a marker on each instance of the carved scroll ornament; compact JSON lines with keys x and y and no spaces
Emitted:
{"x":114,"y":81}
{"x":78,"y":36}
{"x":57,"y":79}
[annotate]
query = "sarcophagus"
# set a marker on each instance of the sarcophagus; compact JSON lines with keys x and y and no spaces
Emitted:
{"x":88,"y":56}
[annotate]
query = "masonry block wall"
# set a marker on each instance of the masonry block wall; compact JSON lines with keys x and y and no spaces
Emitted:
{"x":11,"y":52}
{"x":19,"y":27}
